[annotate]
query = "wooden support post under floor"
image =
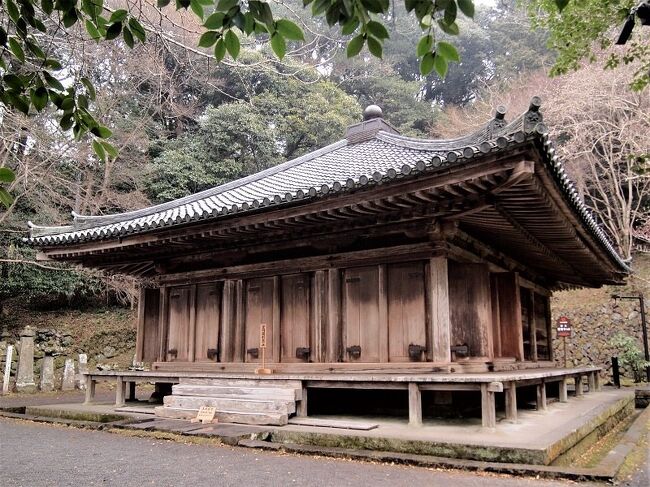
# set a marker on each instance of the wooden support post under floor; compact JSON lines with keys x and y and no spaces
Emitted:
{"x":90,"y":390}
{"x":488,"y":407}
{"x":563,"y":390}
{"x":592,"y":381}
{"x":120,"y":389}
{"x":597,"y":380}
{"x":301,"y":410}
{"x":541,"y":396}
{"x":578,"y":382}
{"x":415,"y":405}
{"x":511,"y":402}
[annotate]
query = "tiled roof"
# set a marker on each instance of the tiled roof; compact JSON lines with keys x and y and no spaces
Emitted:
{"x":366,"y":157}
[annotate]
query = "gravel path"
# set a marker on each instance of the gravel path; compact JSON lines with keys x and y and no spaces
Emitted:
{"x":44,"y":455}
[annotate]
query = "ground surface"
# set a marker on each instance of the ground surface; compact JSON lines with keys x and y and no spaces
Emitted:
{"x":45,"y":455}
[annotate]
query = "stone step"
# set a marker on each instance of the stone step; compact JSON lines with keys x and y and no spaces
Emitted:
{"x":231,"y":403}
{"x":289,"y":394}
{"x":273,"y":419}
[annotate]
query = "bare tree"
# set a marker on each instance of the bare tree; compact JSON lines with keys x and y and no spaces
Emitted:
{"x":600,"y":129}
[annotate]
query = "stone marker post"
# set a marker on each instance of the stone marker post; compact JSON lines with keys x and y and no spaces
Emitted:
{"x":47,"y":373}
{"x":83,"y":369}
{"x":7,"y":376}
{"x":25,"y":376}
{"x":68,"y":375}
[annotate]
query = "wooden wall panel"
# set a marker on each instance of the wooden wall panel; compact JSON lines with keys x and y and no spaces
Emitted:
{"x":148,"y":333}
{"x":470,"y":307}
{"x":509,"y":305}
{"x":361,"y":313}
{"x":180,"y":317}
{"x":208,"y":311}
{"x":294,"y":316}
{"x":542,"y":327}
{"x":406,"y":310}
{"x":259,"y":308}
{"x":438,"y":312}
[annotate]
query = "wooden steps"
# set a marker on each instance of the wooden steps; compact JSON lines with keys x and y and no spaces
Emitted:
{"x":246,"y":401}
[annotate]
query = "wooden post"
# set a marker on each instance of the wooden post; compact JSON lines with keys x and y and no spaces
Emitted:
{"x":333,"y":322}
{"x":90,"y":390}
{"x":578,"y":382}
{"x":438,"y":322}
{"x":415,"y":405}
{"x":511,"y":402}
{"x":139,"y":337}
{"x":163,"y":323}
{"x":488,"y":407}
{"x":597,"y":380}
{"x":592,"y":381}
{"x":302,"y":404}
{"x":532,"y":326}
{"x":239,"y":330}
{"x":119,"y":392}
{"x":541,"y":396}
{"x":563,"y":390}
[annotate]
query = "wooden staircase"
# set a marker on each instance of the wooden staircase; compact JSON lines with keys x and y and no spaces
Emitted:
{"x":246,"y":401}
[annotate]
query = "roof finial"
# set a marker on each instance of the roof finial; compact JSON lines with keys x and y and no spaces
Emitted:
{"x":533,"y":116}
{"x":498,"y":122}
{"x":372,"y":111}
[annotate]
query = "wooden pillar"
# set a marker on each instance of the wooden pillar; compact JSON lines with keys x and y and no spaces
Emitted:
{"x":275,"y":326}
{"x":139,"y":340}
{"x":597,"y":380}
{"x":333,"y":321}
{"x":119,"y":391}
{"x":415,"y":405}
{"x":318,"y":309}
{"x":163,"y":323}
{"x":532,"y":326}
{"x":488,"y":407}
{"x":549,"y":329}
{"x":301,"y":411}
{"x":228,"y":317}
{"x":192,"y":331}
{"x":438,"y":317}
{"x":239,"y":333}
{"x":578,"y":382}
{"x":511,"y":402}
{"x":592,"y":381}
{"x":90,"y":390}
{"x":541,"y":396}
{"x":563,"y":390}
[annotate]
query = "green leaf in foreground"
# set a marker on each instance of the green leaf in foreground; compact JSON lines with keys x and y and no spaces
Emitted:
{"x":355,"y":46}
{"x":448,"y":51}
{"x":278,"y":45}
{"x":6,"y":175}
{"x":5,"y":198}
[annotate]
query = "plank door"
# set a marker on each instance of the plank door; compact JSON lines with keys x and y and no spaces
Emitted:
{"x":406,"y":310}
{"x":259,"y":308}
{"x":208,"y":310}
{"x":471,"y":308}
{"x":180,"y":311}
{"x":294,"y":317}
{"x":361,"y":315}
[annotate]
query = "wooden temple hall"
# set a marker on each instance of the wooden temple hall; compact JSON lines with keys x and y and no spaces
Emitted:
{"x":378,"y":263}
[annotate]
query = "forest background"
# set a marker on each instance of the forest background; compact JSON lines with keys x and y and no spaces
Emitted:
{"x":183,"y":123}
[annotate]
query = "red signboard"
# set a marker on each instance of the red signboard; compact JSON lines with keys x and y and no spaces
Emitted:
{"x":563,"y":327}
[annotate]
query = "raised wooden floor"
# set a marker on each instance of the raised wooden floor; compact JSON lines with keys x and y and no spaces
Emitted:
{"x":488,"y":383}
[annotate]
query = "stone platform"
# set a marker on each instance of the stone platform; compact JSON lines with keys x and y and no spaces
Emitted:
{"x":537,"y":437}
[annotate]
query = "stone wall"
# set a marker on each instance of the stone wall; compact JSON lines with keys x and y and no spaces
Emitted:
{"x":595,"y":319}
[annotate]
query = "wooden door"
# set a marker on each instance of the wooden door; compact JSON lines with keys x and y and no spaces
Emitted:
{"x":406,"y":311}
{"x":181,"y":307}
{"x":294,"y":318}
{"x":362,"y":315}
{"x":259,"y":308}
{"x":206,"y":334}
